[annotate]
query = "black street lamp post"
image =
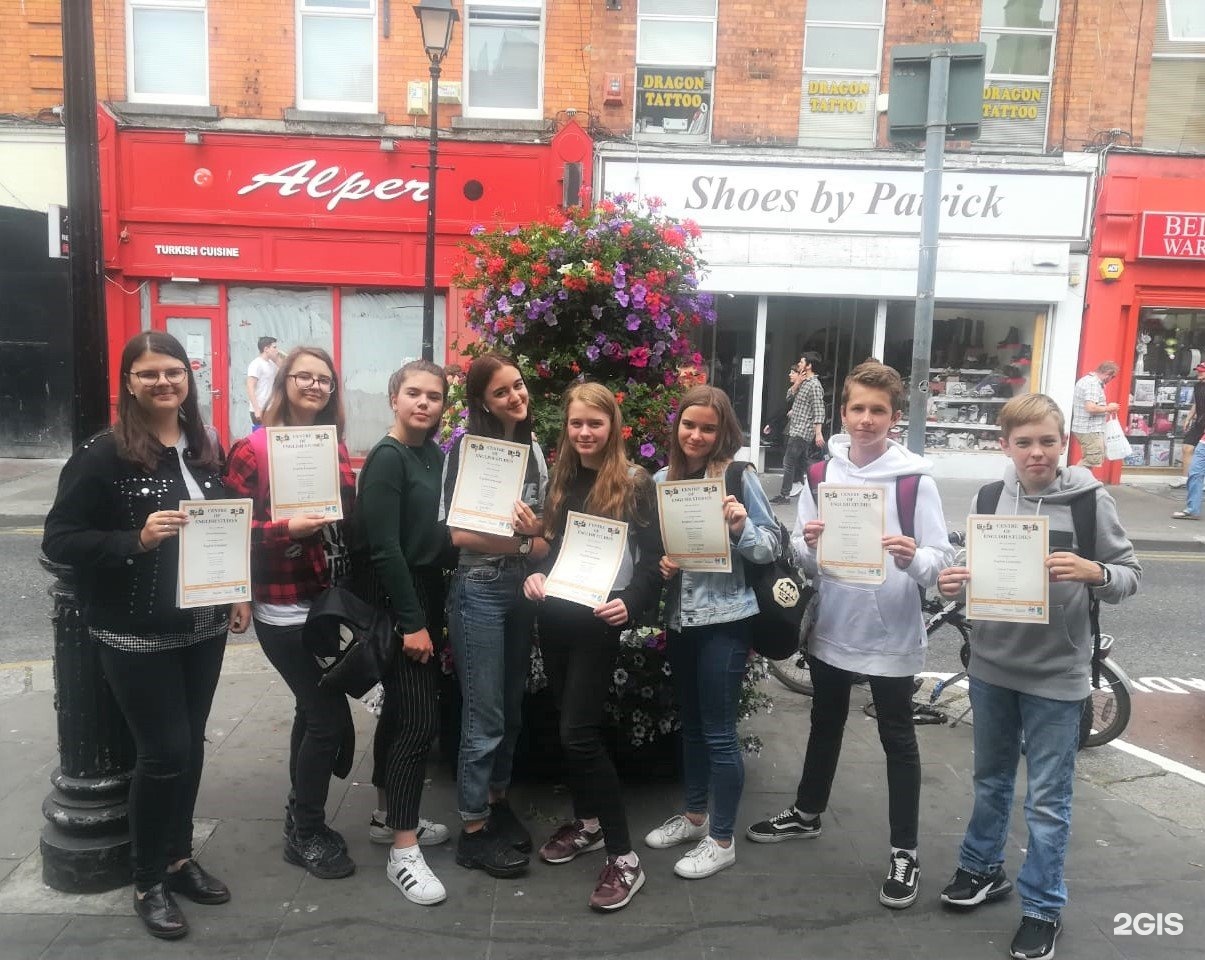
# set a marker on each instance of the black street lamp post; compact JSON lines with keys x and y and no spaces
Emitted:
{"x":437,"y":18}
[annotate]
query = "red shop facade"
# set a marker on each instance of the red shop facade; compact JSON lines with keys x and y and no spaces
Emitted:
{"x":221,"y":238}
{"x":1146,"y":302}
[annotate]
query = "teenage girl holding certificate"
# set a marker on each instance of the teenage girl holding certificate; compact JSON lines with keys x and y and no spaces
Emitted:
{"x":490,"y":625}
{"x":707,"y":616}
{"x":292,"y":561}
{"x":593,"y":475}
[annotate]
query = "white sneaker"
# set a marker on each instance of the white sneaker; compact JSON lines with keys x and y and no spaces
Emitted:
{"x":705,"y":859}
{"x":408,"y":871}
{"x":677,"y":829}
{"x":1179,"y":483}
{"x":430,"y":833}
{"x":796,"y":490}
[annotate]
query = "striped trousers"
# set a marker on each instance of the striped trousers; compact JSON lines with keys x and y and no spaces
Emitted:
{"x":403,"y":738}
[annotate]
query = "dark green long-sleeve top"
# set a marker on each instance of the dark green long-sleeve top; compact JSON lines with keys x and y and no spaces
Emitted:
{"x":396,"y":521}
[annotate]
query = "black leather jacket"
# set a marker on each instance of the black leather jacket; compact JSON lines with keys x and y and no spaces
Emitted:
{"x":101,"y":505}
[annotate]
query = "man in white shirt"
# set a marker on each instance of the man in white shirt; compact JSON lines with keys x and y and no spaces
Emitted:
{"x":261,"y":374}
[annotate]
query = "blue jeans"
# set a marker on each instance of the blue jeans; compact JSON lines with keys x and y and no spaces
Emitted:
{"x":1051,"y":732}
{"x":709,"y":665}
{"x":490,"y":629}
{"x":1196,"y":479}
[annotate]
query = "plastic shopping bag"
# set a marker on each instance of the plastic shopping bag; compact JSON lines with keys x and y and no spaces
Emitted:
{"x":1117,"y":447}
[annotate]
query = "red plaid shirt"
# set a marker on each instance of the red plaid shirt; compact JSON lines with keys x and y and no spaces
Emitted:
{"x":283,"y":570}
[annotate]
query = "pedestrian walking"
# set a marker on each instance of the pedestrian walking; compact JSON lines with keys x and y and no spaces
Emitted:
{"x":593,"y":475}
{"x":292,"y":561}
{"x":1090,"y":412}
{"x":805,"y":427}
{"x":872,"y":629}
{"x":1028,"y":681}
{"x":116,"y":519}
{"x":490,"y":625}
{"x":707,"y":621}
{"x":1194,"y":451}
{"x":399,"y":545}
{"x":261,"y":374}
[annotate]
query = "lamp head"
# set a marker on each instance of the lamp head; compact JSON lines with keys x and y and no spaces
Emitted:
{"x":436,"y":18}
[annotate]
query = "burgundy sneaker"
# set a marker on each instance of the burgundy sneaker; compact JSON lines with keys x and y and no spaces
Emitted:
{"x":568,"y":841}
{"x":617,"y":884}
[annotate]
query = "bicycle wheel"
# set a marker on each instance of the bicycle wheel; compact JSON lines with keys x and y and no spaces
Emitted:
{"x":793,"y":671}
{"x":1106,"y":710}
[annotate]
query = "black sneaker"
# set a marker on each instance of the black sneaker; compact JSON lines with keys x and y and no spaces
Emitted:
{"x":1035,"y":939}
{"x":788,"y":825}
{"x":320,"y":854}
{"x":902,"y":883}
{"x":290,"y":828}
{"x":485,"y":850}
{"x":967,"y":890}
{"x":506,"y":825}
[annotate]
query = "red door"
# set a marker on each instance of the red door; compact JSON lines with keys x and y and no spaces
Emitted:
{"x":203,"y":334}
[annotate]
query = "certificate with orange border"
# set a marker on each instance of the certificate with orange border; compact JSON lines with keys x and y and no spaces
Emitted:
{"x":589,"y":559}
{"x":855,"y":522}
{"x":303,"y":472}
{"x":1007,"y":559}
{"x":215,"y":553}
{"x":489,"y":479}
{"x":693,"y":531}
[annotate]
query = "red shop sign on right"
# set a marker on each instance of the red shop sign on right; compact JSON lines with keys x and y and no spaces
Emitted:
{"x":1172,"y":236}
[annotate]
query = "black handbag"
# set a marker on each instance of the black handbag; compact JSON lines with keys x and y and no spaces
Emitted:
{"x":781,"y":593}
{"x":353,"y":641}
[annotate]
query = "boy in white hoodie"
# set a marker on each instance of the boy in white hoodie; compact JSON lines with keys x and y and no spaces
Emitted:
{"x":877,"y":630}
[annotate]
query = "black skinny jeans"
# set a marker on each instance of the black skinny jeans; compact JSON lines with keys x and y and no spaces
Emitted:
{"x":579,"y":657}
{"x":319,"y":722}
{"x":165,"y":698}
{"x":893,"y":706}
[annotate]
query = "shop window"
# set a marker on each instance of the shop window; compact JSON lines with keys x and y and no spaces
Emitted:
{"x":337,"y":55}
{"x":167,"y":52}
{"x":675,"y":68}
{"x":982,"y":356}
{"x":379,"y":330}
{"x":1163,"y":387}
{"x":842,"y":55}
{"x":504,"y":58}
{"x":1175,"y":109}
{"x":295,"y":316}
{"x":1020,"y":37}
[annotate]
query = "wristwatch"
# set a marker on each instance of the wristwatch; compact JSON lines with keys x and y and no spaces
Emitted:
{"x":1104,"y":572}
{"x":524,"y":545}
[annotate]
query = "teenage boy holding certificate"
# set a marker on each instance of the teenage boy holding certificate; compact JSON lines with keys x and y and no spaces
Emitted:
{"x":869,"y":628}
{"x":1028,"y":680}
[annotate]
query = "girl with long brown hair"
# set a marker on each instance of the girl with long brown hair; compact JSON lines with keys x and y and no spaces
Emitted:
{"x":116,"y":519}
{"x":593,"y":475}
{"x":707,"y":621}
{"x":292,"y":561}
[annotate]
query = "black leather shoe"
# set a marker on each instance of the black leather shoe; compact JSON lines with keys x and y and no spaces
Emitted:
{"x":197,"y":884}
{"x":161,"y":914}
{"x":485,"y":850}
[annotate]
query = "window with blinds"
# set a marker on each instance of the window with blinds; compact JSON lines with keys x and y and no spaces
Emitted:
{"x":842,"y":56}
{"x":337,"y":55}
{"x":167,"y":57}
{"x":675,"y":66}
{"x":504,"y":58}
{"x":1175,"y":105}
{"x":1020,"y":39}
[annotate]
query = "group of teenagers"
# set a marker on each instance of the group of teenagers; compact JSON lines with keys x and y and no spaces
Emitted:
{"x":116,"y":519}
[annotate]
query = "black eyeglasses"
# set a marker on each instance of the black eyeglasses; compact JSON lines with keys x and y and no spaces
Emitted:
{"x":307,"y":380}
{"x":148,"y":378}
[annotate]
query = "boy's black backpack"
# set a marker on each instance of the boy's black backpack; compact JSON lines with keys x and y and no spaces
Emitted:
{"x":781,"y":594}
{"x":1083,"y":518}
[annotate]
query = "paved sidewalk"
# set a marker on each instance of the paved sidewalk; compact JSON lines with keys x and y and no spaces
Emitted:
{"x":814,"y":900}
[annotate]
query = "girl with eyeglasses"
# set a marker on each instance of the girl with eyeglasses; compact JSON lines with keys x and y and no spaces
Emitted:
{"x":292,"y":561}
{"x":116,"y":519}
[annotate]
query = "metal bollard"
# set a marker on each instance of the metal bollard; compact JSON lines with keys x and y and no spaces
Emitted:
{"x":86,"y":841}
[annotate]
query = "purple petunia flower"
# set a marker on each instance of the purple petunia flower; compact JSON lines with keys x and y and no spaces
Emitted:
{"x":633,"y":321}
{"x":592,"y":353}
{"x":647,"y":450}
{"x":622,"y":298}
{"x":596,"y":312}
{"x":503,"y":304}
{"x":600,"y":339}
{"x":476,"y":231}
{"x":517,"y":288}
{"x":638,"y":293}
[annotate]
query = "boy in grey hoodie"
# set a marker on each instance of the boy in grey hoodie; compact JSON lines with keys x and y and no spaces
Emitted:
{"x":1028,"y":681}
